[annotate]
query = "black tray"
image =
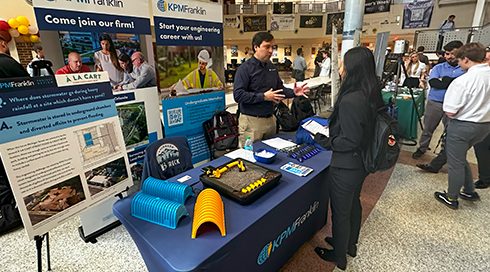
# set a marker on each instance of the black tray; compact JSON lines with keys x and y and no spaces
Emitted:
{"x":230,"y":188}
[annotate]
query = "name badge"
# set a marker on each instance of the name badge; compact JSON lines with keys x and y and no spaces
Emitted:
{"x":272,"y":69}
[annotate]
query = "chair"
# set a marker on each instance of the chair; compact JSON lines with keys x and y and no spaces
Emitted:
{"x":325,"y":92}
{"x":315,"y":97}
{"x":41,"y":64}
{"x":166,"y":158}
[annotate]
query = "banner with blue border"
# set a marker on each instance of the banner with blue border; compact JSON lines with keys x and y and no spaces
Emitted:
{"x":183,"y":116}
{"x":25,"y":113}
{"x":188,"y":32}
{"x":188,"y":23}
{"x":116,"y":16}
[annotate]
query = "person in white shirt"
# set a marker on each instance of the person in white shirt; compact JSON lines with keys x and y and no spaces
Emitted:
{"x":325,"y":70}
{"x":106,"y":59}
{"x":467,"y":104}
{"x":415,"y":68}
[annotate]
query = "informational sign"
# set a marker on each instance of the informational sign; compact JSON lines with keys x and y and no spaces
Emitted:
{"x":417,"y":14}
{"x":232,"y":21}
{"x":282,"y":22}
{"x":183,"y":116}
{"x":311,"y":21}
{"x":61,"y":145}
{"x":282,"y":8}
{"x":337,"y":19}
{"x":186,"y":22}
{"x":254,"y":23}
{"x":115,"y":16}
{"x":375,"y":6}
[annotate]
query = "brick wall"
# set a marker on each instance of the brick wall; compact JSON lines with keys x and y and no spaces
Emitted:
{"x":24,"y":49}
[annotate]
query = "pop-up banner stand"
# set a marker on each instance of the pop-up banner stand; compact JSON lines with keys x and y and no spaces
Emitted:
{"x":86,"y":26}
{"x":188,"y":34}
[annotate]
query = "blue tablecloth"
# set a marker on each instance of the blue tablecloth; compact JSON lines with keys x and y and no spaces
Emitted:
{"x":261,"y":236}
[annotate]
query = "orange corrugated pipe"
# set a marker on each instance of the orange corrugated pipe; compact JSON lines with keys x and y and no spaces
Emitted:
{"x":209,"y":208}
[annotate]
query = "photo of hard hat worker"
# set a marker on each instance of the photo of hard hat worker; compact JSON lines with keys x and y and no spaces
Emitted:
{"x":203,"y":77}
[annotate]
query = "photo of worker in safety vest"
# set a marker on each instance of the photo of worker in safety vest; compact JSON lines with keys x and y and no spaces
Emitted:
{"x":203,"y":77}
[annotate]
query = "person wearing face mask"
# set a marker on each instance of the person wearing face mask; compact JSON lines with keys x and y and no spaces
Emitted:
{"x":203,"y":77}
{"x":9,"y":67}
{"x":439,"y":79}
{"x":257,"y":88}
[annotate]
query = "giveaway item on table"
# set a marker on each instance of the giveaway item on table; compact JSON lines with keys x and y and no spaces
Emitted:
{"x":161,"y":202}
{"x":209,"y":208}
{"x":265,"y":155}
{"x":296,"y":169}
{"x":240,"y":180}
{"x":303,"y":152}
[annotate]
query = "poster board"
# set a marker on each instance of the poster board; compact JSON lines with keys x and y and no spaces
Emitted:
{"x":183,"y":116}
{"x":282,"y":22}
{"x":61,"y":145}
{"x":80,"y":27}
{"x":187,"y":31}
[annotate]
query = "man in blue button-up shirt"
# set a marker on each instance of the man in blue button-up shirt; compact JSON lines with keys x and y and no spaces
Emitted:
{"x":257,"y":87}
{"x":439,"y":79}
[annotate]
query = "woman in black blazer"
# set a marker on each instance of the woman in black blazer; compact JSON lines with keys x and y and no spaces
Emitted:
{"x":351,"y":127}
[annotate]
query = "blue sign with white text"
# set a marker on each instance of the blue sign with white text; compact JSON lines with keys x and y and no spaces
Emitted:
{"x":26,"y":112}
{"x":183,"y":116}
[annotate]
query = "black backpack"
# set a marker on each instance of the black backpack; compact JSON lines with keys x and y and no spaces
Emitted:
{"x":301,"y":108}
{"x":285,"y":119}
{"x":9,"y":214}
{"x":383,"y":149}
{"x":221,"y":132}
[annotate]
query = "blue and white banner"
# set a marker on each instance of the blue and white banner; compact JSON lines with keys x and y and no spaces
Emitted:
{"x":183,"y":116}
{"x":61,"y":145}
{"x":190,"y":23}
{"x":115,"y":16}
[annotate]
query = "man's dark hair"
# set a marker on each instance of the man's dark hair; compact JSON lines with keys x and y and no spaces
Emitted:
{"x":452,"y":16}
{"x":299,"y":51}
{"x":452,"y":45}
{"x":473,"y":51}
{"x":259,"y":37}
{"x":420,"y":49}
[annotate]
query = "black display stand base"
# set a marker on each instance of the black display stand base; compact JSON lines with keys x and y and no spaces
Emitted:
{"x":39,"y":245}
{"x":92,"y":238}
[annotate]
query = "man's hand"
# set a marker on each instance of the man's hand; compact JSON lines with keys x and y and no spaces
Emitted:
{"x":301,"y":90}
{"x":274,"y":96}
{"x":117,"y":88}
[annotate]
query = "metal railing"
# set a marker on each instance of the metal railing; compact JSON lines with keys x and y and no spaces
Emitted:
{"x":298,"y":8}
{"x":434,"y":39}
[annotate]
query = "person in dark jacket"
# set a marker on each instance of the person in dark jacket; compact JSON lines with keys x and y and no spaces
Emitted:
{"x":9,"y":67}
{"x":351,"y":128}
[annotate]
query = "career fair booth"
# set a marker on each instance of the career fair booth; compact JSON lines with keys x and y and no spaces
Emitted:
{"x":260,"y":236}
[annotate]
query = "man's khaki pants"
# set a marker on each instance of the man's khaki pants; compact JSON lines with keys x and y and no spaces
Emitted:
{"x":257,"y":128}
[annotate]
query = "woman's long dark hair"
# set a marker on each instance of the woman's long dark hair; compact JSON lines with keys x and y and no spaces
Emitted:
{"x":360,"y":75}
{"x":112,"y":50}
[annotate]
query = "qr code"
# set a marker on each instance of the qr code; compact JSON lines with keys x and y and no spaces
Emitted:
{"x":175,"y":117}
